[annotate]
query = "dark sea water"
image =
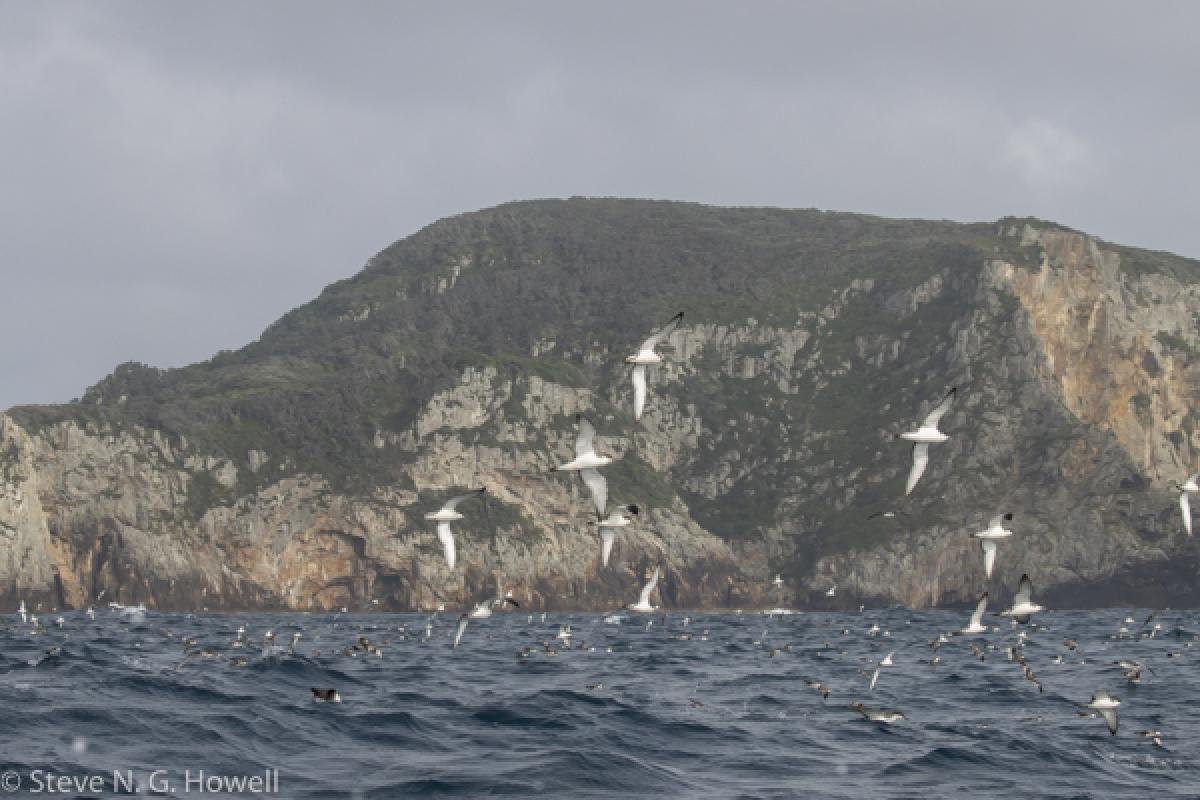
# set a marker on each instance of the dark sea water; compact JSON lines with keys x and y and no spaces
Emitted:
{"x":715,"y":716}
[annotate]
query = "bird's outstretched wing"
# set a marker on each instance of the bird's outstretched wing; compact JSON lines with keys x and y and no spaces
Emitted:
{"x":447,"y":539}
{"x":598,"y":486}
{"x":977,"y":616}
{"x":453,"y":502}
{"x":648,"y":588}
{"x":1024,"y":593}
{"x":639,"y":391}
{"x":606,"y":542}
{"x":942,"y":408}
{"x":920,"y":455}
{"x":583,"y":440}
{"x":989,"y":555}
{"x":662,"y":333}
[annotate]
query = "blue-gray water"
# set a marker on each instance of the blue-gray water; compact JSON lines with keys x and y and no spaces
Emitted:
{"x":715,"y":716}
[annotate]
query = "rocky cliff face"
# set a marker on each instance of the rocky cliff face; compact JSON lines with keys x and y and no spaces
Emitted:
{"x":296,"y":473}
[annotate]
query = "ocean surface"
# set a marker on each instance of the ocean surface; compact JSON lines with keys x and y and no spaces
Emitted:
{"x":636,"y":712}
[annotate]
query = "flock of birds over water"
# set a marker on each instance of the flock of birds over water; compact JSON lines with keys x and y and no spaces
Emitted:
{"x":588,"y":463}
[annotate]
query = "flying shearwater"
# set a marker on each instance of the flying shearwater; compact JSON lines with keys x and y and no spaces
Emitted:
{"x":1106,"y":705}
{"x":877,"y":715}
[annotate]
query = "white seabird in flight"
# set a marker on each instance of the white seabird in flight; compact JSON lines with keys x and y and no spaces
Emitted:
{"x":832,"y":591}
{"x":462,"y":627}
{"x":643,"y":603}
{"x":645,"y":357}
{"x":924,"y":436}
{"x":1190,"y":487}
{"x":608,"y":525}
{"x":1023,"y":606}
{"x":988,"y":538}
{"x":976,"y":624}
{"x":1106,"y":705}
{"x":24,"y":614}
{"x":586,"y":463}
{"x":886,"y":662}
{"x":444,"y":516}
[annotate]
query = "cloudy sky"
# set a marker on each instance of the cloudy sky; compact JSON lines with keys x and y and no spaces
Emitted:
{"x":175,"y":176}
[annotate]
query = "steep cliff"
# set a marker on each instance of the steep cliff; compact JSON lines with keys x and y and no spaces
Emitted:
{"x":295,"y":472}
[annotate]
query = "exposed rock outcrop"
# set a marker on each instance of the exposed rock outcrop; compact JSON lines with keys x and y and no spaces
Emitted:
{"x":295,"y":473}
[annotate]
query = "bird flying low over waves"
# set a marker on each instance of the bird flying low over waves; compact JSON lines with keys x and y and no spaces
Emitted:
{"x":608,"y":526}
{"x":924,"y":436}
{"x":460,"y":630}
{"x":1023,"y":606}
{"x":326,"y":695}
{"x":877,"y":715}
{"x":976,"y":624}
{"x":586,"y":462}
{"x":643,"y":603}
{"x":444,"y":516}
{"x":646,"y":356}
{"x":886,"y":662}
{"x":1106,"y":705}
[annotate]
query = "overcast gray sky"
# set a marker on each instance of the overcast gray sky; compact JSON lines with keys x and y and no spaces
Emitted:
{"x":173,"y":176}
